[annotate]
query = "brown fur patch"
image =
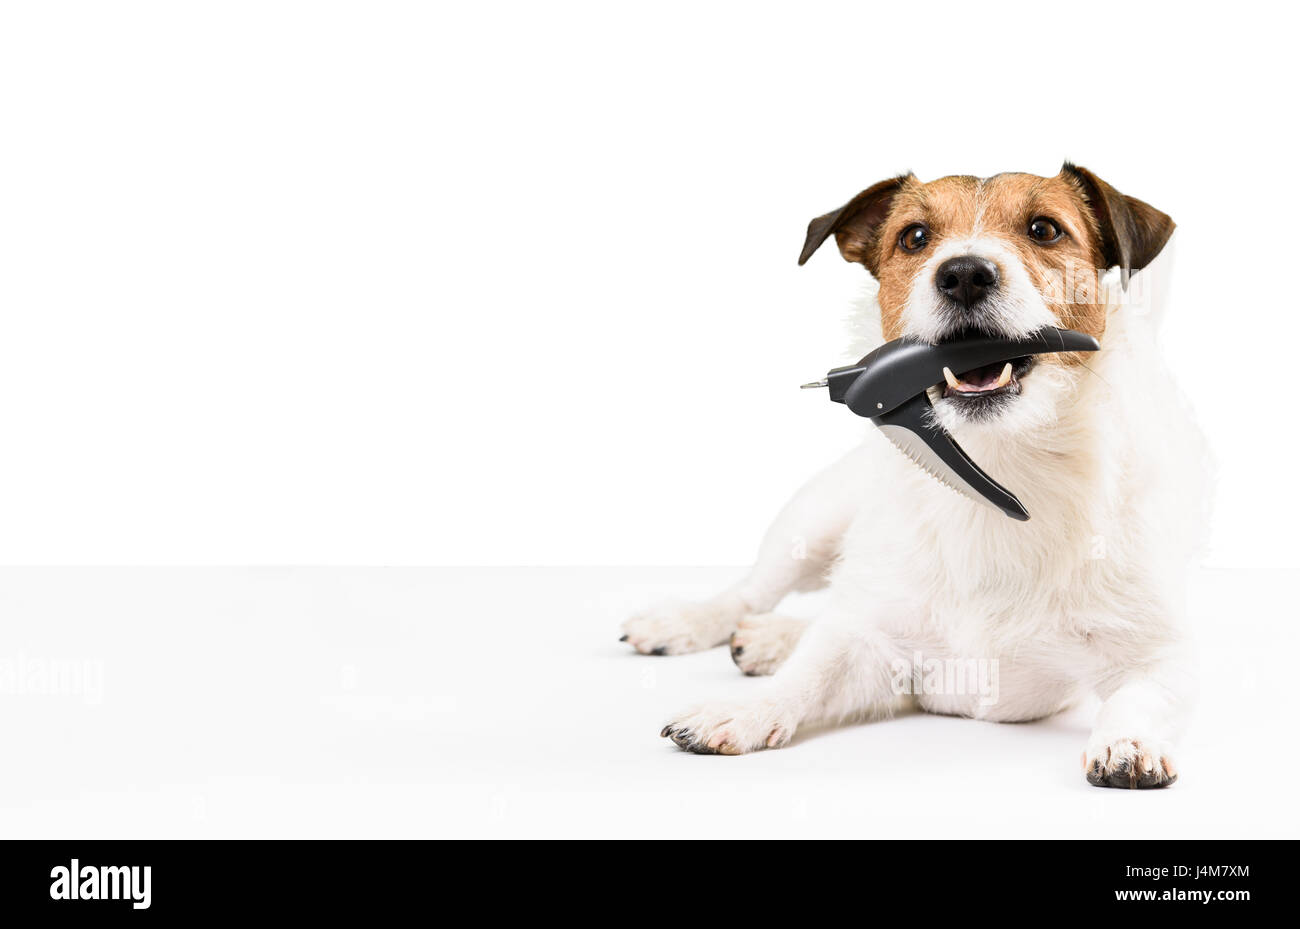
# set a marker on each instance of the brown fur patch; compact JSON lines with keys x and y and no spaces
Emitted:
{"x":1101,"y":228}
{"x":1000,"y":207}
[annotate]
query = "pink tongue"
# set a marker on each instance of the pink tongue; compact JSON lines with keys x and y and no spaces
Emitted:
{"x":981,"y":378}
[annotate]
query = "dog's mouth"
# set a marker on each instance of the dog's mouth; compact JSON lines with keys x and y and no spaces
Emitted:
{"x":994,"y":380}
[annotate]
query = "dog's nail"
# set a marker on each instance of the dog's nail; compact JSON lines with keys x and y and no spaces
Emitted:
{"x":622,"y":638}
{"x":663,"y":733}
{"x":661,"y":650}
{"x":738,"y":650}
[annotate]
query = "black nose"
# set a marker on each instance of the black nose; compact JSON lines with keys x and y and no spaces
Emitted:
{"x":967,"y":279}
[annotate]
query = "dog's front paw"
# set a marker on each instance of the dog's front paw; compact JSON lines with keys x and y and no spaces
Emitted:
{"x":676,"y":627}
{"x":1133,"y":763}
{"x":731,"y":728}
{"x":762,"y":643}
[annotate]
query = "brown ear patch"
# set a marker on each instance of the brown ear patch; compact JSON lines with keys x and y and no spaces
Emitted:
{"x":1132,"y":232}
{"x":856,"y":224}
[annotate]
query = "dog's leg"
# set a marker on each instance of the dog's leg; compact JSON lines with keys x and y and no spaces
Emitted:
{"x":1132,"y":741}
{"x":841,"y":669}
{"x":794,"y":555}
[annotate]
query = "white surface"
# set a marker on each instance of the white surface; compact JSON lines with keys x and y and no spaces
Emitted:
{"x":497,"y":702}
{"x":354,"y":283}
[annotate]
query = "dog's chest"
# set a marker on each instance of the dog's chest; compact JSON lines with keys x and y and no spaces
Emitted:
{"x":970,"y":573}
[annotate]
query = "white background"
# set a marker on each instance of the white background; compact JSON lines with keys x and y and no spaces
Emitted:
{"x":515,"y":284}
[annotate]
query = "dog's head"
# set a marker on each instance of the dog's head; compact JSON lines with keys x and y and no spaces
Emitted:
{"x":1005,"y":255}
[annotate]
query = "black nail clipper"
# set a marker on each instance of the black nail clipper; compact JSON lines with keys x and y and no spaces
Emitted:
{"x":889,"y":386}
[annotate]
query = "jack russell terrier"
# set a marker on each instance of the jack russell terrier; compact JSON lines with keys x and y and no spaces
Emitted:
{"x":1084,"y":597}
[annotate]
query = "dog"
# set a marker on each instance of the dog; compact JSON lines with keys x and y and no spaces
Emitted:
{"x":1087,"y":596}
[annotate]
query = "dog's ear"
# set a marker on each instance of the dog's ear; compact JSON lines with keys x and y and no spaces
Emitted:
{"x":855,"y":224}
{"x":1132,"y":232}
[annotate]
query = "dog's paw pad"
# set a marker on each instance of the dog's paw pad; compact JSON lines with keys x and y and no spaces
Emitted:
{"x":1129,"y":763}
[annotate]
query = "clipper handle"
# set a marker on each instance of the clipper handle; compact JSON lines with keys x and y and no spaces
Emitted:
{"x":912,"y":427}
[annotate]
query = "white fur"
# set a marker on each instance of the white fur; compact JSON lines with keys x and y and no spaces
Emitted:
{"x":1084,"y":597}
{"x":1016,"y":309}
{"x":762,"y":643}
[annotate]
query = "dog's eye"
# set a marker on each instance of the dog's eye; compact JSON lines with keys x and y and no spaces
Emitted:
{"x":914,"y":238}
{"x":1043,"y":229}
